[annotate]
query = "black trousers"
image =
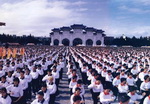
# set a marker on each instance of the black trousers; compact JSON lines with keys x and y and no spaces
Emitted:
{"x":115,"y":91}
{"x":14,"y":99}
{"x":121,"y":95}
{"x":95,"y":97}
{"x":52,"y":99}
{"x":84,"y":77}
{"x":35,"y":85}
{"x":29,"y":94}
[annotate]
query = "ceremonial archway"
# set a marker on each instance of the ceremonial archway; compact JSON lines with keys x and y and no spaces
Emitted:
{"x":56,"y":42}
{"x":77,"y":41}
{"x":89,"y":42}
{"x":65,"y":42}
{"x":98,"y":42}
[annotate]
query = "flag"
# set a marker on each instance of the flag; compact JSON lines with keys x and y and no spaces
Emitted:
{"x":14,"y":52}
{"x":22,"y":51}
{"x":4,"y":53}
{"x":9,"y":52}
{"x":1,"y":52}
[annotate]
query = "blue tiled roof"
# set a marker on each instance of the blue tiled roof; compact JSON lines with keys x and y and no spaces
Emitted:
{"x":78,"y":26}
{"x":65,"y":28}
{"x":56,"y":30}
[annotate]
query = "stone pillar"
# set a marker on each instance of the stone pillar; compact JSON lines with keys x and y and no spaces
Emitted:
{"x":71,"y":42}
{"x":52,"y":41}
{"x":60,"y":40}
{"x":94,"y":40}
{"x":84,"y":41}
{"x":102,"y":41}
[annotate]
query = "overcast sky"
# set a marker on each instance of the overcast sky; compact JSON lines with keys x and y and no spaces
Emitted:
{"x":38,"y":17}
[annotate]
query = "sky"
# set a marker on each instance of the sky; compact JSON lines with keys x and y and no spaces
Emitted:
{"x":38,"y":17}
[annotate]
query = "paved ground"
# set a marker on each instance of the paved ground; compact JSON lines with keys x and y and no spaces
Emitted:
{"x":64,"y":96}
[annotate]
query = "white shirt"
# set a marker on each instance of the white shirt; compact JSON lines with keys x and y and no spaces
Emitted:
{"x":36,"y":102}
{"x":84,"y":70}
{"x":46,"y":95}
{"x":134,"y":71}
{"x":109,"y":78}
{"x":52,"y":88}
{"x":40,"y":71}
{"x":130,"y":81}
{"x":28,"y":77}
{"x":146,"y":100}
{"x":145,"y":85}
{"x":82,"y":89}
{"x":96,"y":88}
{"x":5,"y":84}
{"x":106,"y":98}
{"x":34,"y":75}
{"x":116,"y":82}
{"x":9,"y":79}
{"x":6,"y":100}
{"x":46,"y":78}
{"x":142,"y":75}
{"x":2,"y":73}
{"x":123,"y":89}
{"x":134,"y":97}
{"x":15,"y":91}
{"x":72,"y":84}
{"x":71,"y":98}
{"x":23,"y":83}
{"x":55,"y":74}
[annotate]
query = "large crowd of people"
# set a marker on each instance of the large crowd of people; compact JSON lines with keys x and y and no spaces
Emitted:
{"x":111,"y":74}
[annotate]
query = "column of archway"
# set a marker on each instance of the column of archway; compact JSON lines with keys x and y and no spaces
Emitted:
{"x":94,"y":40}
{"x":84,"y":41}
{"x":52,"y":41}
{"x":102,"y":41}
{"x":60,"y":40}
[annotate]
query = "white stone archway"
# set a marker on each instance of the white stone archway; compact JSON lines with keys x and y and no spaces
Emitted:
{"x":77,"y":31}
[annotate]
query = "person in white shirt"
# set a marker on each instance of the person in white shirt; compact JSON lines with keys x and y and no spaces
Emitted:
{"x":106,"y":97}
{"x":96,"y":89}
{"x":28,"y":77}
{"x":35,"y":83}
{"x":145,"y":86}
{"x":142,"y":74}
{"x":134,"y":97}
{"x":80,"y":85}
{"x":77,"y":100}
{"x":4,"y":97}
{"x":109,"y":79}
{"x":130,"y":80}
{"x":46,"y":92}
{"x":134,"y":71}
{"x":123,"y":88}
{"x":40,"y":99}
{"x":17,"y":72}
{"x":116,"y":82}
{"x":83,"y":72}
{"x":24,"y":84}
{"x":41,"y":74}
{"x":147,"y":99}
{"x":16,"y":92}
{"x":124,"y":100}
{"x":9,"y":77}
{"x":72,"y":83}
{"x":3,"y":82}
{"x":2,"y":72}
{"x":76,"y":93}
{"x":56,"y":75}
{"x":51,"y":86}
{"x":46,"y":77}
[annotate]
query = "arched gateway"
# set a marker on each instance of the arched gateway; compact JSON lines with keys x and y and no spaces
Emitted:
{"x":77,"y":34}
